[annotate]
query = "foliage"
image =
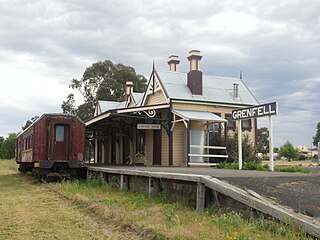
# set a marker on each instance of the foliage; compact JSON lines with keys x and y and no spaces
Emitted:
{"x":287,"y":150}
{"x":228,"y":165}
{"x":276,"y":150}
{"x":92,"y":210}
{"x":29,"y":122}
{"x":7,"y":146}
{"x":263,"y":140}
{"x":246,"y":166}
{"x":316,"y":138}
{"x":103,"y":80}
{"x":174,"y":221}
{"x":248,"y":151}
{"x":69,"y":106}
{"x":292,"y":169}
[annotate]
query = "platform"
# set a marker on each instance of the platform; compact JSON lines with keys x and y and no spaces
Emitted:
{"x":296,"y":191}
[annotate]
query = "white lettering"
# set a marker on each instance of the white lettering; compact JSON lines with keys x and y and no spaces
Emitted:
{"x":234,"y":115}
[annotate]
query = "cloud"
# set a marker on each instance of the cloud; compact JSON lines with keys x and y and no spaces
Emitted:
{"x":44,"y":44}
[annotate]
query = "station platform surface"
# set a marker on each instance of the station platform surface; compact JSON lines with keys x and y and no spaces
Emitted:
{"x":299,"y":191}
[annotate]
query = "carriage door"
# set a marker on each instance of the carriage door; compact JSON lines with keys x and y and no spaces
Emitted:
{"x":61,"y":142}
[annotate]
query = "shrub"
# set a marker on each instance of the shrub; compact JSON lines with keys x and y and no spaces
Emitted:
{"x":292,"y":169}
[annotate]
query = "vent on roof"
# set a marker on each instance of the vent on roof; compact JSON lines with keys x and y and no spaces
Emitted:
{"x":173,"y":63}
{"x":235,"y":90}
{"x":194,"y":77}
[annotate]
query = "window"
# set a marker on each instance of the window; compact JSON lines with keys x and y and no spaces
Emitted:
{"x":246,"y":125}
{"x":59,"y":133}
{"x":231,"y":125}
{"x":140,"y":142}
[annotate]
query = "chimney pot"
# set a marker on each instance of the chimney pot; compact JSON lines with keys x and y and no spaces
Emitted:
{"x":129,"y":89}
{"x":173,"y":63}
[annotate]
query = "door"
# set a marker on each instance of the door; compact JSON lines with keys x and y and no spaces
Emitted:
{"x":61,"y":142}
{"x":156,"y":147}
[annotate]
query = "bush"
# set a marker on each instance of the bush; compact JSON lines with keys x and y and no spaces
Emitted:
{"x":255,"y":166}
{"x":292,"y":169}
{"x":246,"y":166}
{"x":248,"y":151}
{"x":302,"y":157}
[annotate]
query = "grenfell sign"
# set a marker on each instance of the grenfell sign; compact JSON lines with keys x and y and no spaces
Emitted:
{"x":267,"y":109}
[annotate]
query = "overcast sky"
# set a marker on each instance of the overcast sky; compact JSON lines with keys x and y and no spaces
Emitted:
{"x":276,"y":44}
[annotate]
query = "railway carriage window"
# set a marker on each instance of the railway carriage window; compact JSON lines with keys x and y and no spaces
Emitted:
{"x":59,"y":133}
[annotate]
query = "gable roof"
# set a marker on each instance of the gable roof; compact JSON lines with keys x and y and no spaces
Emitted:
{"x":133,"y":101}
{"x":215,"y":89}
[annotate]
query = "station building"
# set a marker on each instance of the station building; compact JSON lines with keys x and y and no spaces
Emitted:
{"x":182,"y":119}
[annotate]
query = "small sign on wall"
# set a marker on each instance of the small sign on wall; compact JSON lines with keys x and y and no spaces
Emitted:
{"x":148,"y":126}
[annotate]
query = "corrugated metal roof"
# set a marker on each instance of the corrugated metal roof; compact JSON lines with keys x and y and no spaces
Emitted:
{"x":137,"y":98}
{"x":108,"y":105}
{"x":198,"y":115}
{"x":215,"y":89}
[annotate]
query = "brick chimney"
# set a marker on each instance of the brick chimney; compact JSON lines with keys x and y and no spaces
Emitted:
{"x":129,"y":90}
{"x":194,"y":77}
{"x":173,"y":63}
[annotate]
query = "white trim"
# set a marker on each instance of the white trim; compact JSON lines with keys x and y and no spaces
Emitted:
{"x":197,"y":102}
{"x":159,"y":87}
{"x":143,"y":108}
{"x":97,"y":118}
{"x":125,"y":110}
{"x":207,"y":155}
{"x":208,"y":147}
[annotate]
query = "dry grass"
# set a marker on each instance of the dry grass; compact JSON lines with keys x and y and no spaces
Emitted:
{"x":29,"y":210}
{"x":91,"y":210}
{"x":286,"y":163}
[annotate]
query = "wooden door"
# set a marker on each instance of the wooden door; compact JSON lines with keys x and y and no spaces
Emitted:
{"x":156,"y":147}
{"x":61,"y":142}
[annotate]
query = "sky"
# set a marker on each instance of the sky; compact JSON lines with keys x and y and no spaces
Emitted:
{"x":276,"y":45}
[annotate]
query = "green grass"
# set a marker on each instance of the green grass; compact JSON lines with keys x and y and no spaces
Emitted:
{"x":292,"y":169}
{"x":93,"y":210}
{"x":172,"y":221}
{"x":261,"y":167}
{"x":245,"y":166}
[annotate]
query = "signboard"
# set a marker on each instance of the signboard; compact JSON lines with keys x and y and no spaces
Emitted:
{"x":267,"y":109}
{"x":148,"y":126}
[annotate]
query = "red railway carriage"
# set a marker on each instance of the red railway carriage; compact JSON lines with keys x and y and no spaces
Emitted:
{"x":54,"y":143}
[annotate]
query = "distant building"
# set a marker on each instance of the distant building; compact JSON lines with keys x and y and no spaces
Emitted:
{"x":307,"y":152}
{"x":181,"y":119}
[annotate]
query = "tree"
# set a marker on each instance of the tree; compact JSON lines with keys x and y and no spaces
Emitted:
{"x":103,"y":80}
{"x":29,"y":122}
{"x":248,"y":150}
{"x":69,"y":106}
{"x":263,"y":140}
{"x":316,"y":138}
{"x":287,"y":150}
{"x":7,"y":146}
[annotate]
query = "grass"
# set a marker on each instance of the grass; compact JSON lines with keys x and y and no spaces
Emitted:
{"x":262,"y":167}
{"x":92,"y":210}
{"x":292,"y":169}
{"x":245,"y":166}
